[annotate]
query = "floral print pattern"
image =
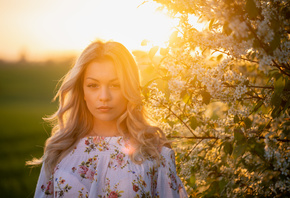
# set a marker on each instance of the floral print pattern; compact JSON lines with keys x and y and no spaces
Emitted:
{"x":139,"y":184}
{"x":118,"y":160}
{"x":101,"y":167}
{"x":83,"y":194}
{"x":87,"y":169}
{"x":152,"y":174}
{"x":111,"y":193}
{"x":47,"y":189}
{"x":61,"y":188}
{"x":96,"y":143}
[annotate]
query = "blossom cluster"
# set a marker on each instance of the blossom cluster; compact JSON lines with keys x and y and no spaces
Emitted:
{"x":223,"y":96}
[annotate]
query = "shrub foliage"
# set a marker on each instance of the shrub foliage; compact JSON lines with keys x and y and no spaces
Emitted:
{"x":224,"y":95}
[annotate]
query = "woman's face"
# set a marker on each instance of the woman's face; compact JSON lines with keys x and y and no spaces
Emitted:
{"x":102,"y":91}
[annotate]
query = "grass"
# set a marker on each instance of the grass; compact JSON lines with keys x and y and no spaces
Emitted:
{"x":26,"y":92}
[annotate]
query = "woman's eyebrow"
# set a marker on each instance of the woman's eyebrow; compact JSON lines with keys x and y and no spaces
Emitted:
{"x":114,"y":79}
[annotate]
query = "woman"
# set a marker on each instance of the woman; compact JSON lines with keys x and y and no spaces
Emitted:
{"x":102,"y":144}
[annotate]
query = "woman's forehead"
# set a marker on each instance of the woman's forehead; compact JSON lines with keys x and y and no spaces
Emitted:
{"x":104,"y":70}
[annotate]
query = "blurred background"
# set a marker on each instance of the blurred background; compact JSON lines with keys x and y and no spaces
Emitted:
{"x":40,"y":40}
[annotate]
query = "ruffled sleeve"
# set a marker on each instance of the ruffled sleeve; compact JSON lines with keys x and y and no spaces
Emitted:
{"x":44,"y":187}
{"x":169,"y":184}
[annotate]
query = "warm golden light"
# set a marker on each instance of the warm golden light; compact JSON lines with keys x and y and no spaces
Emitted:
{"x":46,"y":29}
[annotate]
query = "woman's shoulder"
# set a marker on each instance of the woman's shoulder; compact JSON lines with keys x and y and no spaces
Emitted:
{"x":167,"y":152}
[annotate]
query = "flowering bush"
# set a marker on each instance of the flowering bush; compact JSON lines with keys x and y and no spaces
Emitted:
{"x":224,"y":94}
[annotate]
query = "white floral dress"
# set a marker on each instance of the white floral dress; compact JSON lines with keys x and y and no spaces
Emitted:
{"x":100,"y":167}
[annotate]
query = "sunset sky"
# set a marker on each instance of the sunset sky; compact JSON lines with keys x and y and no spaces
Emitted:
{"x":52,"y":28}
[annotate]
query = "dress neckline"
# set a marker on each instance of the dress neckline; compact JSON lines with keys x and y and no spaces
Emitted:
{"x":102,"y":137}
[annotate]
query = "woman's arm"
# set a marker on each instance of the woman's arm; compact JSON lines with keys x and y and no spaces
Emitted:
{"x":44,"y":187}
{"x":169,"y":184}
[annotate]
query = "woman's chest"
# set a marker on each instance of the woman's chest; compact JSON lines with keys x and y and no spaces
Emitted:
{"x":112,"y":175}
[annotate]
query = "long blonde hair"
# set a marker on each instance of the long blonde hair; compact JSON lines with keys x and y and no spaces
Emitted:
{"x":73,"y":120}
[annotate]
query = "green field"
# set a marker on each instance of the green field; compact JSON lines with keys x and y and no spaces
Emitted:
{"x":26,"y":92}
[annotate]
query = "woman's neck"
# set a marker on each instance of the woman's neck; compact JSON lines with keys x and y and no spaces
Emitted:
{"x":105,"y":128}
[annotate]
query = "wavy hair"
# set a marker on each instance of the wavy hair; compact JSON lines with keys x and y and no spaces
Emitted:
{"x":73,"y":120}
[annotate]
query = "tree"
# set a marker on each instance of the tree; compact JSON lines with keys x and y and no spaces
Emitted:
{"x":224,"y":94}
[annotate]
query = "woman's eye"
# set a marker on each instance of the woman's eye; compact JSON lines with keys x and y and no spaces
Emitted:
{"x":115,"y":85}
{"x":92,"y":85}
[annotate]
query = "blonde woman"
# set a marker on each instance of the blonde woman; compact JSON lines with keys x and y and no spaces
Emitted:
{"x":102,"y":144}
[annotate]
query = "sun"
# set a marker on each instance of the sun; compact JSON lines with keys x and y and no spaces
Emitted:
{"x":62,"y":27}
{"x":124,"y":21}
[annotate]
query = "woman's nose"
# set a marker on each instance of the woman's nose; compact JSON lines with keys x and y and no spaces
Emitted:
{"x":104,"y":94}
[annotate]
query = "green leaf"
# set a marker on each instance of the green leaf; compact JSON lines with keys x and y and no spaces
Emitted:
{"x":275,"y":25}
{"x":239,"y":136}
{"x":213,"y":188}
{"x":171,"y":123}
{"x":228,"y":148}
{"x":153,"y":51}
{"x":248,"y":123}
{"x":251,"y":142}
{"x":205,"y":97}
{"x":286,"y":132}
{"x":260,"y":149}
{"x":185,"y":96}
{"x":222,"y":184}
{"x":239,"y":150}
{"x":276,"y":112}
{"x":193,"y":123}
{"x":258,"y":105}
{"x":205,"y":52}
{"x":252,"y":9}
{"x":192,"y":179}
{"x":275,"y":42}
{"x":286,"y":106}
{"x":226,"y":29}
{"x":211,"y":23}
{"x":276,"y":99}
{"x":279,"y":85}
{"x":183,"y":93}
{"x":253,"y":56}
{"x":226,"y":129}
{"x":236,"y":119}
{"x":277,"y":75}
{"x":219,"y":57}
{"x":285,"y":11}
{"x":256,"y":44}
{"x":256,"y":148}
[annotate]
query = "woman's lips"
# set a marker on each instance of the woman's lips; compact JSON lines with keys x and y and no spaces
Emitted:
{"x":104,"y":108}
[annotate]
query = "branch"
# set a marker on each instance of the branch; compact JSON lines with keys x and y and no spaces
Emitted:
{"x":279,"y":67}
{"x":250,"y":86}
{"x":262,"y":87}
{"x":250,"y":98}
{"x":278,"y":139}
{"x":245,"y":59}
{"x":264,"y":47}
{"x":179,"y":119}
{"x":192,"y":150}
{"x":194,"y":138}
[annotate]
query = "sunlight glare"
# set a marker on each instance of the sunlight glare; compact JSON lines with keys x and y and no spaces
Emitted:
{"x":53,"y":28}
{"x":122,"y":21}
